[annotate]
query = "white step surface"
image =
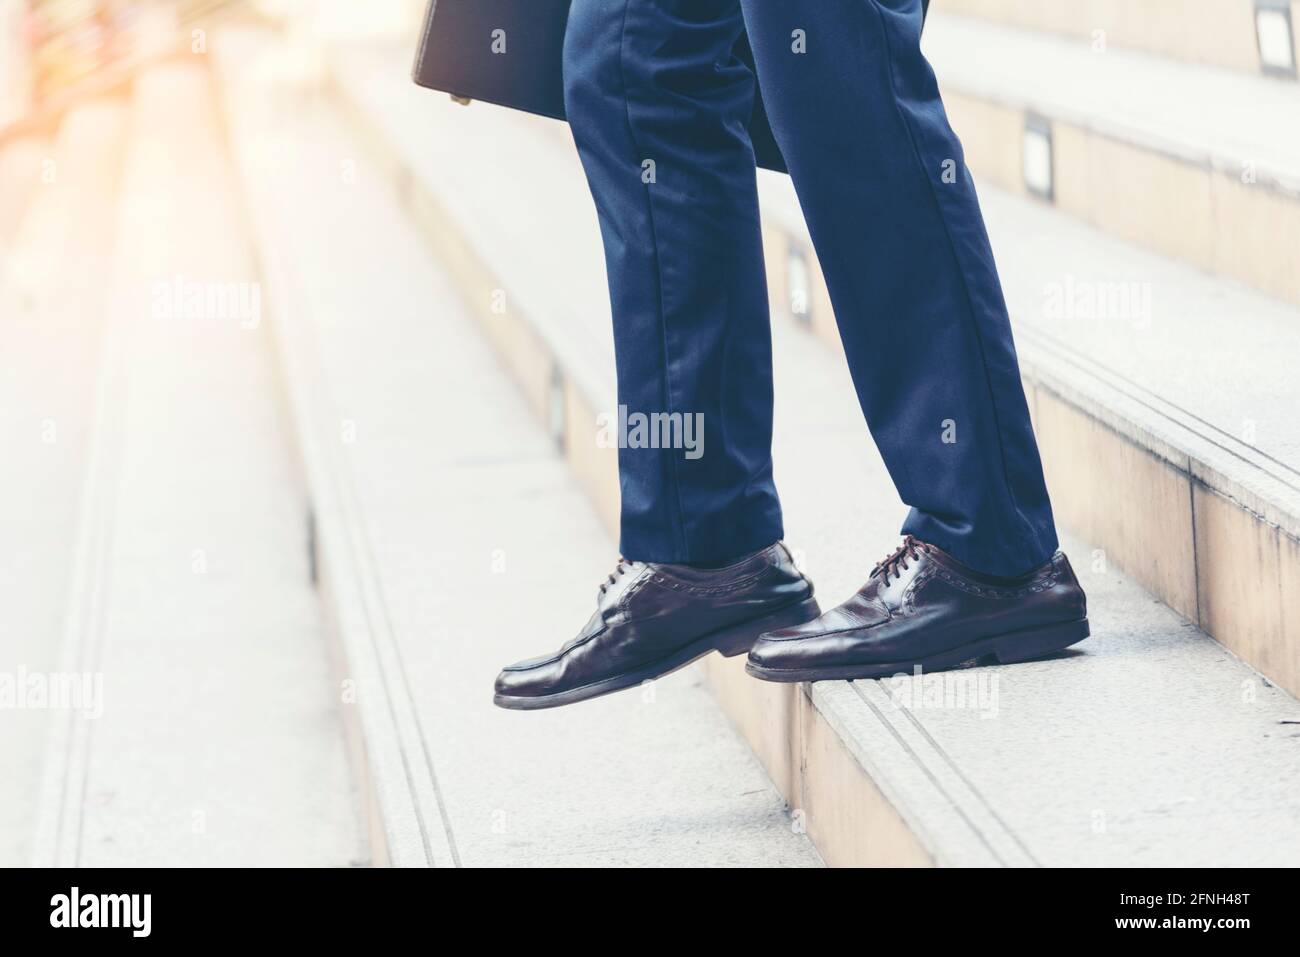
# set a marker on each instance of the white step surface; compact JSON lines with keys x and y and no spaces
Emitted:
{"x":220,"y":741}
{"x":1221,"y":32}
{"x":1149,"y":745}
{"x":1206,"y":116}
{"x":513,"y":158}
{"x":482,"y":549}
{"x":51,"y":323}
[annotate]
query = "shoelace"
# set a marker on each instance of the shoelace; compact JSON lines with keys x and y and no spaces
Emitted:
{"x":896,"y":563}
{"x":618,"y":573}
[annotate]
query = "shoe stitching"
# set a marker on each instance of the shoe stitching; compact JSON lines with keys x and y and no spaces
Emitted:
{"x":991,"y":591}
{"x":723,"y":589}
{"x":643,"y":576}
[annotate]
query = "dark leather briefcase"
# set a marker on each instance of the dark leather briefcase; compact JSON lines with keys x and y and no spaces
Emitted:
{"x":456,"y":55}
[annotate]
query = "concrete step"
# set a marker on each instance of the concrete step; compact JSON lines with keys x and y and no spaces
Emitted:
{"x":51,"y":323}
{"x":1031,"y":764}
{"x":1199,"y":164}
{"x":452,"y":540}
{"x":1253,"y":36}
{"x":191,"y":616}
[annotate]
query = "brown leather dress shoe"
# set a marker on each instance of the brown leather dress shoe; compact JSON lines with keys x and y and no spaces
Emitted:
{"x":652,"y":619}
{"x":922,"y":607}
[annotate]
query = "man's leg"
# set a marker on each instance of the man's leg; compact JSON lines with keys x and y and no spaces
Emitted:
{"x":898,"y":231}
{"x":659,"y":109}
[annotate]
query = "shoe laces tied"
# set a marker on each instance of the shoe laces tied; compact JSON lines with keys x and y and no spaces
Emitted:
{"x":619,"y":571}
{"x":896,"y":563}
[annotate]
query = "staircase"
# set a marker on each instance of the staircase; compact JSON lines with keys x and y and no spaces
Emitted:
{"x":1122,"y":753}
{"x":1252,"y":36}
{"x":60,"y":203}
{"x":303,"y":448}
{"x":244,"y":588}
{"x":170,"y":700}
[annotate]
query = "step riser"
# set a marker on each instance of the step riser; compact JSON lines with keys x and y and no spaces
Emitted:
{"x":799,"y":750}
{"x":1217,"y":32}
{"x":843,"y":811}
{"x":1190,"y":208}
{"x":1201,"y":542}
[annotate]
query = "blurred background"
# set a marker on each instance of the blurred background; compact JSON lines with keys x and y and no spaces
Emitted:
{"x":300,"y":371}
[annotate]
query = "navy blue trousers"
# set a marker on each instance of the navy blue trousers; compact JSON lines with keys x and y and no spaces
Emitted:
{"x":659,"y":107}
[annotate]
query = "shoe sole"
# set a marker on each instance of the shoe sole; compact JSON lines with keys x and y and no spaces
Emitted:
{"x":1009,"y":648}
{"x":729,"y":642}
